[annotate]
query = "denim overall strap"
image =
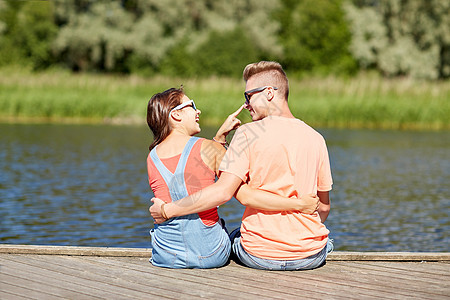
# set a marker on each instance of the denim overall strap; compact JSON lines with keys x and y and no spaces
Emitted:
{"x":185,"y":242}
{"x":175,"y":181}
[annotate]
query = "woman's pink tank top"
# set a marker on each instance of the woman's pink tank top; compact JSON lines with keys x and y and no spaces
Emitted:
{"x":197,"y":176}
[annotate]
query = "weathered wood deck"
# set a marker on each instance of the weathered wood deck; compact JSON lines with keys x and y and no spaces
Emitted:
{"x":51,"y":272}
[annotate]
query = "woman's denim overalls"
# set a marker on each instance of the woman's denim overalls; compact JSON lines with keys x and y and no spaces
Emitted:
{"x":185,"y":242}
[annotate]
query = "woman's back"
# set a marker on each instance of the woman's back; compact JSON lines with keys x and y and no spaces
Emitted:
{"x":192,"y":241}
{"x":197,"y":175}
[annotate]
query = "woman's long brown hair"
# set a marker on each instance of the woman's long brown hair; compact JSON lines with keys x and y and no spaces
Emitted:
{"x":158,"y":110}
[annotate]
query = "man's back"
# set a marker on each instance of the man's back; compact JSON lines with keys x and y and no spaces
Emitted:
{"x":287,"y":157}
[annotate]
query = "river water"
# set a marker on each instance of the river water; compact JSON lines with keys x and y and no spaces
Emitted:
{"x":86,"y":185}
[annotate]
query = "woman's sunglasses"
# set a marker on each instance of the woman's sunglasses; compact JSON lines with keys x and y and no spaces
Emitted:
{"x":190,"y":103}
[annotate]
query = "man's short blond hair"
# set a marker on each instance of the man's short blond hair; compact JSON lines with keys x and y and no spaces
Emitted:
{"x":268,"y":73}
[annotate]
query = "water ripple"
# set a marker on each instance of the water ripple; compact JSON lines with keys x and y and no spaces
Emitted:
{"x":87,"y":186}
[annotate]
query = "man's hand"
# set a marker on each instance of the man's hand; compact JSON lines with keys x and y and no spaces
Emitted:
{"x":155,"y":210}
{"x":310,"y":203}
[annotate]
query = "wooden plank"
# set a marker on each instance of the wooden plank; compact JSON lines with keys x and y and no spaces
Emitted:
{"x":289,"y":286}
{"x":247,"y":280}
{"x":388,"y":256}
{"x":409,"y":279}
{"x":96,"y":270}
{"x":138,"y":280}
{"x":146,"y":252}
{"x":27,"y":287}
{"x":181,"y":277}
{"x":329,"y":274}
{"x":65,"y":276}
{"x":175,"y":282}
{"x":269,"y":281}
{"x":427,"y":272}
{"x":250,"y":281}
{"x":62,"y":284}
{"x":383,"y":279}
{"x":425,"y":268}
{"x":115,"y":280}
{"x":407,"y":270}
{"x":400,"y":287}
{"x":325,"y":279}
{"x":11,"y":296}
{"x":71,"y":250}
{"x":285,"y":285}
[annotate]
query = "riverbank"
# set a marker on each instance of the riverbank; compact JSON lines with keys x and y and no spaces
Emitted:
{"x":366,"y":101}
{"x":83,"y":274}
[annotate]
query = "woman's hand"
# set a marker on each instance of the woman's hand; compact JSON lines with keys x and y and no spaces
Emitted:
{"x":231,"y":123}
{"x":156,"y":211}
{"x":309,"y":203}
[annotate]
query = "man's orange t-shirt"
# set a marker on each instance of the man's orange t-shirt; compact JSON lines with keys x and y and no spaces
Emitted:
{"x":287,"y":157}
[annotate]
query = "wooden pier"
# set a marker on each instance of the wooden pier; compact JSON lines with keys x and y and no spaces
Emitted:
{"x":53,"y":272}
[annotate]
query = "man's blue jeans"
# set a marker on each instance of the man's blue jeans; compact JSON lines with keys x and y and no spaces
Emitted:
{"x":311,"y":262}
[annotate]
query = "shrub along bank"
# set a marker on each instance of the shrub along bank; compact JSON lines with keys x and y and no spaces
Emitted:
{"x":365,"y":101}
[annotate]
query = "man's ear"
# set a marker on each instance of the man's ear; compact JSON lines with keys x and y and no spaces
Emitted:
{"x":270,"y":94}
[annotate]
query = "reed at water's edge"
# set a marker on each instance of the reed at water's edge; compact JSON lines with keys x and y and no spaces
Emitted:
{"x":365,"y":101}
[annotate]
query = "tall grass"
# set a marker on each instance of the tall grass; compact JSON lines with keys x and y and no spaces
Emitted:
{"x":373,"y":102}
{"x":364,"y":101}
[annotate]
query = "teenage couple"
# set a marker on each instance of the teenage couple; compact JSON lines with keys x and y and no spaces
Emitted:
{"x":277,"y":166}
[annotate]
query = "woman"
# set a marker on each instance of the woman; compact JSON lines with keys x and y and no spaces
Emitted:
{"x":180,"y":164}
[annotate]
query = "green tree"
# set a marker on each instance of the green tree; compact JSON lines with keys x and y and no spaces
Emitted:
{"x":315,"y":36}
{"x":96,"y":39}
{"x":27,"y":32}
{"x":8,"y":19}
{"x":225,"y":53}
{"x":179,"y":61}
{"x":200,"y":33}
{"x":132,"y":35}
{"x":402,"y":37}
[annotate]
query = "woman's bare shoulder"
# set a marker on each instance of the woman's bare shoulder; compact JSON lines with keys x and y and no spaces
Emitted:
{"x":212,"y":153}
{"x":212,"y":147}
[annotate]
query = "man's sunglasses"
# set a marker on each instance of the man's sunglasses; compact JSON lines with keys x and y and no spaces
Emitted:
{"x":190,"y":103}
{"x":249,"y":94}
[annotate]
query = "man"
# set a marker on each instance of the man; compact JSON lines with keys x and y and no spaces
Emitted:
{"x":276,"y":153}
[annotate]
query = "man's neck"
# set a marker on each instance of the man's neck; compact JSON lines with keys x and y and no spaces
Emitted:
{"x":280,"y":110}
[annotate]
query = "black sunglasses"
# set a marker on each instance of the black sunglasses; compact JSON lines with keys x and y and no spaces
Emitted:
{"x":249,"y":94}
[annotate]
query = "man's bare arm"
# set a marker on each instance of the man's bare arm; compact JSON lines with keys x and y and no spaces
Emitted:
{"x":324,"y":207}
{"x":209,"y":197}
